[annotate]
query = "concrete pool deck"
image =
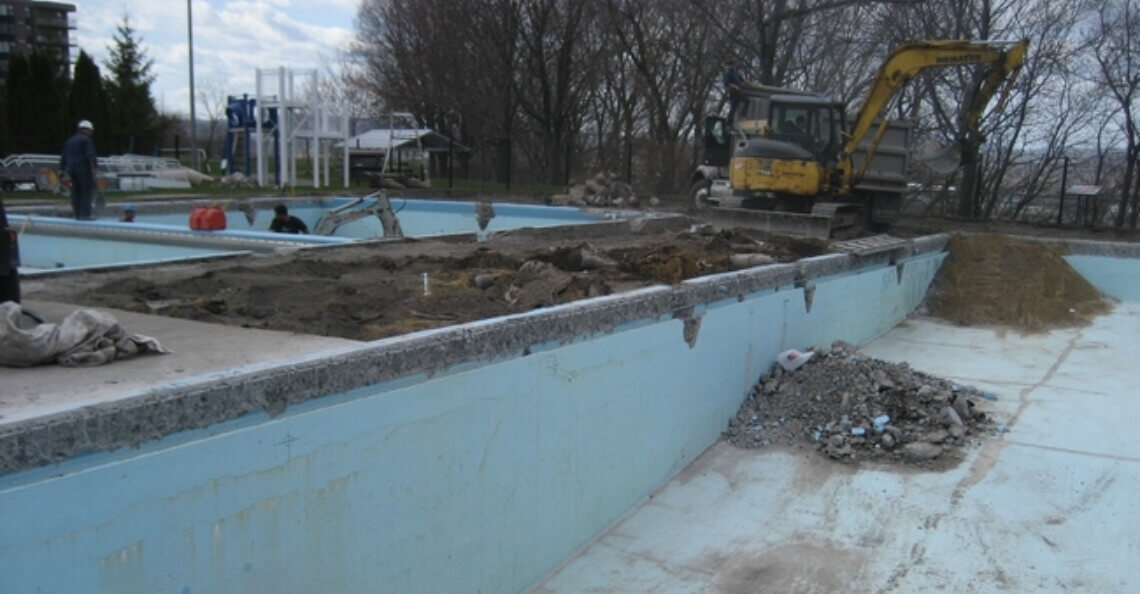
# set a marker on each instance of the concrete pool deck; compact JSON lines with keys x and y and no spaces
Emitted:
{"x":1048,"y":506}
{"x":196,"y":349}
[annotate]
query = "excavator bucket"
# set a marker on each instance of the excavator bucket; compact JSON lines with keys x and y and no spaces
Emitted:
{"x":938,"y":157}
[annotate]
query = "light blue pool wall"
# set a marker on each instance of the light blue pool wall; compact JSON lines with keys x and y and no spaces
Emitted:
{"x":55,"y":251}
{"x":1112,"y":267}
{"x":479,"y":478}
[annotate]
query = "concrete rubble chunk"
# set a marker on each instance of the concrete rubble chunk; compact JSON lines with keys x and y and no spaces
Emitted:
{"x":922,"y":450}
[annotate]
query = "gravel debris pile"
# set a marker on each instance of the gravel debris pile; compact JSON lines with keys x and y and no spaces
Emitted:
{"x":851,"y":407}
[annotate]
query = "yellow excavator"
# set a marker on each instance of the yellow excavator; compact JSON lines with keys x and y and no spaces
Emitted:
{"x":795,"y":156}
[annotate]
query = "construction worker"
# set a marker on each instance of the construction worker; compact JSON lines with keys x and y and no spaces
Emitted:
{"x":9,"y":260}
{"x":732,"y":83}
{"x":283,"y":222}
{"x":78,"y":162}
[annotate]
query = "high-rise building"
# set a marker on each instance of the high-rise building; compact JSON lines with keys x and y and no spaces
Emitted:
{"x":27,"y":25}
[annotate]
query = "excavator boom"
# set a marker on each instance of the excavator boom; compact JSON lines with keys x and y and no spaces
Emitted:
{"x":906,"y":61}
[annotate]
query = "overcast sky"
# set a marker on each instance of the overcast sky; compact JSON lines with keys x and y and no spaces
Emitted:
{"x":231,"y":39}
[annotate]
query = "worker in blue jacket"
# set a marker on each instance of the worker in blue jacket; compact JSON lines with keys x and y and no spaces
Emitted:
{"x":78,"y":162}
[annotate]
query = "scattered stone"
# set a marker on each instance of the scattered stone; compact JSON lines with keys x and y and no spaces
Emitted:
{"x":483,"y":281}
{"x":750,"y":260}
{"x":938,"y":436}
{"x":950,"y":417}
{"x":921,"y":450}
{"x":956,"y":431}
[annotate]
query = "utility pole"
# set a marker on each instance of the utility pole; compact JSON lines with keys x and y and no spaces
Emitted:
{"x":193,"y":117}
{"x":1064,"y":181}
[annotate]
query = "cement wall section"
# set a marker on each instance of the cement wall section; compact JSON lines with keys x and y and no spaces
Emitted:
{"x":471,"y":459}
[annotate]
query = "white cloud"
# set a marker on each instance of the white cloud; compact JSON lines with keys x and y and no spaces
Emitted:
{"x":231,"y":39}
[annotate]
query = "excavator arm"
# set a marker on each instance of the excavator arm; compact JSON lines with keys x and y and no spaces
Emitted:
{"x":906,"y":61}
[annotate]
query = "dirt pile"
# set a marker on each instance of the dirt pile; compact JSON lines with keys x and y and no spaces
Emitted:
{"x":851,"y":407}
{"x":370,"y":292}
{"x":998,"y":280}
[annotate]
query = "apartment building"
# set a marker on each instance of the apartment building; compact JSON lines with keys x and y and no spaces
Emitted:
{"x":26,"y":25}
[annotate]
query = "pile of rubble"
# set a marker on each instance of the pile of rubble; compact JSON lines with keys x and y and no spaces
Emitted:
{"x":850,"y":407}
{"x":237,"y":179}
{"x":605,"y":190}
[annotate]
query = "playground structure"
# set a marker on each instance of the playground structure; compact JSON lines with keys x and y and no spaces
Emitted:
{"x":279,"y":124}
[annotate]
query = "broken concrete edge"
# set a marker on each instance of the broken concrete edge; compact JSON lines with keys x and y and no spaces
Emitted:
{"x":196,"y":403}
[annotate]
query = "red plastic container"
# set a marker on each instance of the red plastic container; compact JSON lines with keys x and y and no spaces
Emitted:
{"x":207,"y":218}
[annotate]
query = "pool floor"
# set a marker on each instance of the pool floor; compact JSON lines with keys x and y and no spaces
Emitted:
{"x":1048,"y":506}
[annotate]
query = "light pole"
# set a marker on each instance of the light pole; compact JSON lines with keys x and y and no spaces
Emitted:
{"x":193,"y":118}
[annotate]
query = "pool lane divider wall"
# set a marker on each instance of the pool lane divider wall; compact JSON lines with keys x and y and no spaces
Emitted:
{"x":257,"y":241}
{"x":469,"y":458}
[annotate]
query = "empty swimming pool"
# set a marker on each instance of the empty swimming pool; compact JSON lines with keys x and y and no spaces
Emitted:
{"x":161,"y":233}
{"x":418,"y":218}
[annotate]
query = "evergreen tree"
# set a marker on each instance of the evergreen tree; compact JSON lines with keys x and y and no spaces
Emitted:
{"x":46,"y":108}
{"x":88,"y":99}
{"x":20,"y":129}
{"x":135,"y":125}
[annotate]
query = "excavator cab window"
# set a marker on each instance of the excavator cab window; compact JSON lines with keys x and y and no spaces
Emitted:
{"x":811,"y":125}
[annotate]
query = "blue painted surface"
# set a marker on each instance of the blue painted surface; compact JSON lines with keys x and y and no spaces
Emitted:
{"x":43,"y":251}
{"x":478,"y":480}
{"x":418,"y":218}
{"x":1118,"y":277}
{"x":42,"y":248}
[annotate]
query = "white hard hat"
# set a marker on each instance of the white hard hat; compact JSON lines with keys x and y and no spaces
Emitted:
{"x":86,"y":124}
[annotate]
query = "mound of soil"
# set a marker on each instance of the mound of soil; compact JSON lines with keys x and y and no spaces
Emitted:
{"x":373,"y":291}
{"x":998,"y":280}
{"x":850,"y":407}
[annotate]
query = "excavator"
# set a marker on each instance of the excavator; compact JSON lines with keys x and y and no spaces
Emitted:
{"x":795,"y":156}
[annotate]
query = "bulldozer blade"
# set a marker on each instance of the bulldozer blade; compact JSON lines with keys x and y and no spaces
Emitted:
{"x":790,"y":223}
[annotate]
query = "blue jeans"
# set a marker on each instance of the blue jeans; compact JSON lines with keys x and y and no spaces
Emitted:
{"x":82,"y":189}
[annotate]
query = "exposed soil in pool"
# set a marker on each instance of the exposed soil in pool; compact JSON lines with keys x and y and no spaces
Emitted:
{"x":999,"y":280}
{"x":365,"y":292}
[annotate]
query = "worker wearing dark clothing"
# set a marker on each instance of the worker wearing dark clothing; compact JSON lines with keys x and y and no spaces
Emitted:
{"x":283,"y":222}
{"x":9,"y":261}
{"x":732,"y":83}
{"x":78,"y":162}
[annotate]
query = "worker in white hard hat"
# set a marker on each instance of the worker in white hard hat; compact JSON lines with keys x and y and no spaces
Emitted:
{"x":78,"y":162}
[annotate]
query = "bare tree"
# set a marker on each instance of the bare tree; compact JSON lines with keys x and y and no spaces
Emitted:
{"x":212,"y":98}
{"x":1114,"y":41}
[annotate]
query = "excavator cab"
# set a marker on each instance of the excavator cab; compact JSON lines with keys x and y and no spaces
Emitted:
{"x":808,"y":122}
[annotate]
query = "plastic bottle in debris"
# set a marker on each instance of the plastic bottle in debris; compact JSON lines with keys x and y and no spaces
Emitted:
{"x":792,"y":359}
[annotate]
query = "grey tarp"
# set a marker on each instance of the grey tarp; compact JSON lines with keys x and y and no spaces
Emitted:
{"x":86,"y":337}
